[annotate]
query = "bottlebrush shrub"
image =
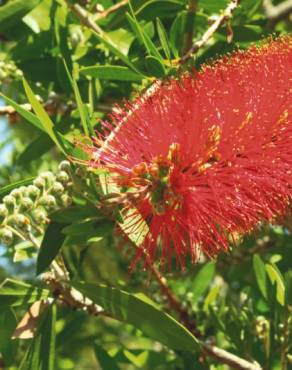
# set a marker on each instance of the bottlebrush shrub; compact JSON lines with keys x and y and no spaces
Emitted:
{"x":206,"y":156}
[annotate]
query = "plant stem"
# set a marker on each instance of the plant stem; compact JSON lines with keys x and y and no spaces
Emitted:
{"x":110,"y":10}
{"x":225,"y":16}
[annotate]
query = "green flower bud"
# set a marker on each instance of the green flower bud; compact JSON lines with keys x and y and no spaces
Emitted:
{"x":65,"y":166}
{"x":48,"y":201}
{"x":6,"y":237}
{"x":66,"y":200}
{"x":48,"y":177}
{"x":63,"y":177}
{"x":3,"y":212}
{"x":26,"y":204}
{"x":57,"y":188}
{"x":16,"y":193}
{"x":23,"y":191}
{"x":19,"y":221}
{"x":39,"y":182}
{"x":40,"y":216}
{"x":10,"y":202}
{"x":33,"y":192}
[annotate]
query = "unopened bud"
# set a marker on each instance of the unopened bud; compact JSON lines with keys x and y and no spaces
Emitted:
{"x":33,"y":191}
{"x":63,"y":177}
{"x":26,"y":204}
{"x":40,"y":216}
{"x":6,"y":237}
{"x":39,"y":182}
{"x":48,"y":201}
{"x":65,"y":166}
{"x":66,"y":200}
{"x":3,"y":212}
{"x":9,"y":202}
{"x":57,"y":188}
{"x":16,"y":193}
{"x":48,"y":177}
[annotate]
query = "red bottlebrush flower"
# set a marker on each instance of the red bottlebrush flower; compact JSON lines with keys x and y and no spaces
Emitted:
{"x":207,"y":155}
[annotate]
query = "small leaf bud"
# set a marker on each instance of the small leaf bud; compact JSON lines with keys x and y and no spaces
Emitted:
{"x":6,"y":237}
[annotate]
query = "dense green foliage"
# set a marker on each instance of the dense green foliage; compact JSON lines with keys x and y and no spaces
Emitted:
{"x":72,"y":76}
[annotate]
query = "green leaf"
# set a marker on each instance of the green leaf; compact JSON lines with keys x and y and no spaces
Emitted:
{"x":144,"y":316}
{"x":105,"y":360}
{"x":12,"y":12}
{"x":30,"y":117}
{"x":213,"y":6}
{"x":89,"y":228}
{"x":106,"y":40}
{"x":143,"y":37}
{"x":43,"y":116}
{"x":159,"y":8}
{"x":108,"y":72}
{"x":51,"y":244}
{"x":75,"y":213}
{"x":155,"y":67}
{"x":163,"y":38}
{"x":176,"y":32}
{"x":41,"y":352}
{"x":260,"y":274}
{"x":202,"y":280}
{"x":35,"y":149}
{"x":277,"y":279}
{"x":8,"y":188}
{"x":16,"y":293}
{"x":7,"y":324}
{"x":87,"y":128}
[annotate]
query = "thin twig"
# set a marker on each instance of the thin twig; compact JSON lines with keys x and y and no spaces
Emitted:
{"x":110,"y":10}
{"x":85,"y":17}
{"x":219,"y":354}
{"x":225,"y":16}
{"x":275,"y":13}
{"x":228,"y":358}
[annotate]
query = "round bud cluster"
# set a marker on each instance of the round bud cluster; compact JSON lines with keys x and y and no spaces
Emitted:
{"x":26,"y":209}
{"x":9,"y":71}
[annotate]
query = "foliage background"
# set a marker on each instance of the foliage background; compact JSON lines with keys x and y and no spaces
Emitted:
{"x":236,"y":301}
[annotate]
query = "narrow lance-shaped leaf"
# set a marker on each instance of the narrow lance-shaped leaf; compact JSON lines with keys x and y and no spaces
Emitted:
{"x":144,"y":38}
{"x":163,"y":39}
{"x":41,"y":352}
{"x":43,"y":116}
{"x":108,"y":72}
{"x":51,"y":244}
{"x":30,"y":117}
{"x":277,"y":279}
{"x":16,"y":293}
{"x":85,"y":120}
{"x":144,"y":316}
{"x":260,"y":274}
